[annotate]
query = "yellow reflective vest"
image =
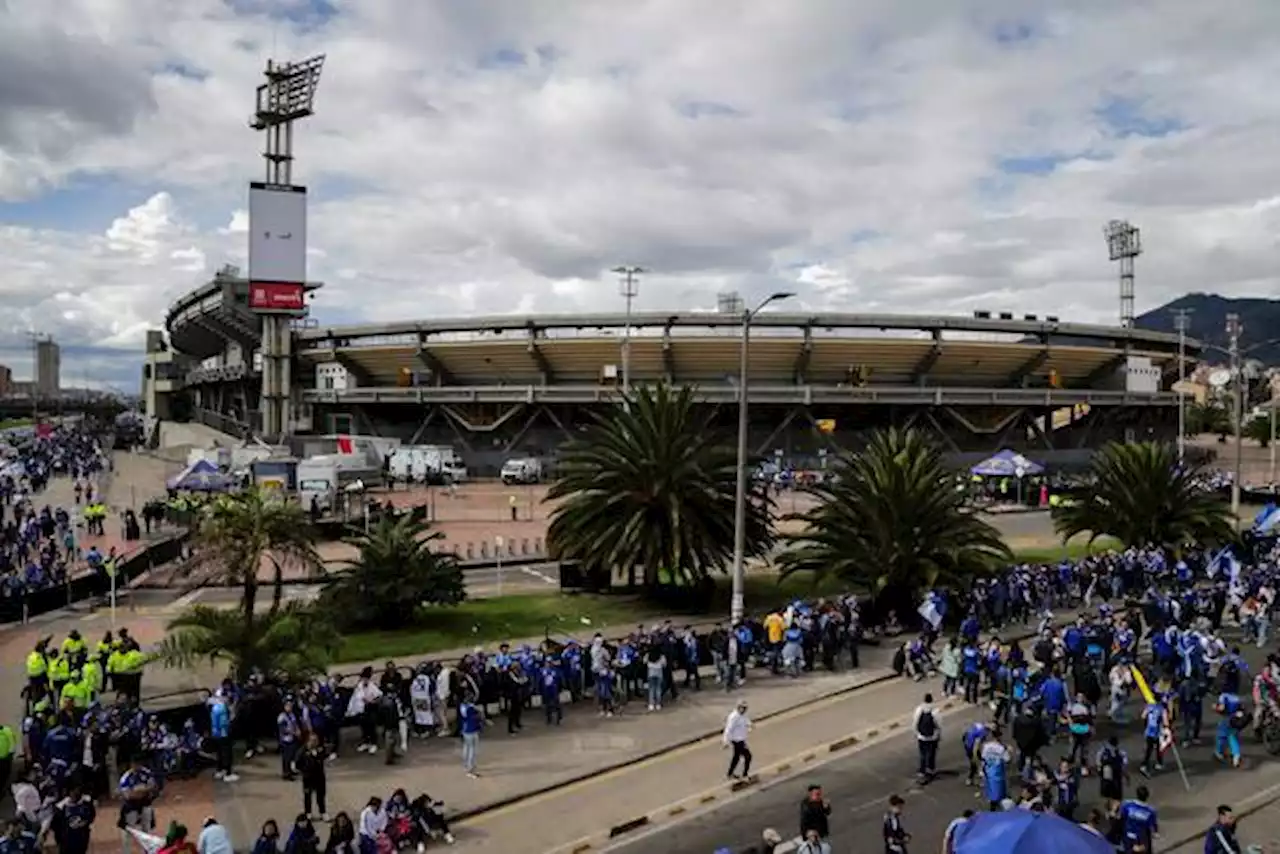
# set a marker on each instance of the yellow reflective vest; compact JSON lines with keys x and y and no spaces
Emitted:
{"x":36,"y":664}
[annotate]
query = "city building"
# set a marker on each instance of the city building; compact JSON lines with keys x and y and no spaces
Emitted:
{"x":48,"y":368}
{"x":6,"y":381}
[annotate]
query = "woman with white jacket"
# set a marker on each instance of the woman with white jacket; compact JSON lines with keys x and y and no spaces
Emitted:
{"x":372,"y":824}
{"x":949,"y":667}
{"x":364,"y":707}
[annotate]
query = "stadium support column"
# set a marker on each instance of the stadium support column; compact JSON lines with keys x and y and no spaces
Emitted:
{"x":737,"y":607}
{"x":629,"y":288}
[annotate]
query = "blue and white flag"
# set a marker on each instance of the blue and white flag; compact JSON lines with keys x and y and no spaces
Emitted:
{"x":1267,"y":520}
{"x":1218,"y":563}
{"x":932,"y":610}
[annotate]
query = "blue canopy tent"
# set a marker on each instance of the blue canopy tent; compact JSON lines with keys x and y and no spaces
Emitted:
{"x":1006,"y":464}
{"x":201,"y":476}
{"x":1019,"y":831}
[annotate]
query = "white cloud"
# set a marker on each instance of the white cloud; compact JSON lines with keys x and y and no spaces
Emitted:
{"x":726,"y":144}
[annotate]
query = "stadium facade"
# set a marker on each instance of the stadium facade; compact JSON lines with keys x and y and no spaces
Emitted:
{"x":494,"y":387}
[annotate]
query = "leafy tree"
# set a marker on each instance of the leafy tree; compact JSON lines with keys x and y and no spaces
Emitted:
{"x":1207,"y":418}
{"x":236,"y":536}
{"x":651,"y":485}
{"x":395,"y":572}
{"x":1259,"y":430}
{"x":1141,"y":496}
{"x":893,"y":521}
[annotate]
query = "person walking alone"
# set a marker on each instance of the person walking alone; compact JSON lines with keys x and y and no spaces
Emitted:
{"x":736,"y":727}
{"x":310,"y":764}
{"x":928,"y":733}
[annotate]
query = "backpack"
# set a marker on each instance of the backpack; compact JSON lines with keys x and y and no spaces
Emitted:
{"x":926,"y":727}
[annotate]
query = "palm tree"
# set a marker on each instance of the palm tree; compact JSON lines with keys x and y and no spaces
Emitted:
{"x":1142,"y":496}
{"x":291,"y":643}
{"x":651,"y":485}
{"x":893,"y":521}
{"x":395,"y":571}
{"x":236,"y":535}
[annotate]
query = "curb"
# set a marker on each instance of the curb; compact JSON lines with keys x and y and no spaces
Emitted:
{"x":712,"y":796}
{"x":1244,"y":813}
{"x":723,"y":792}
{"x":463,"y":815}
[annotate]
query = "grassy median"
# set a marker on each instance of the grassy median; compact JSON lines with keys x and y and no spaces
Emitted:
{"x":533,"y":615}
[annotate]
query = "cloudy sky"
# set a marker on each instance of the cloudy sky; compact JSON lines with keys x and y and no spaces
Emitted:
{"x":500,"y":155}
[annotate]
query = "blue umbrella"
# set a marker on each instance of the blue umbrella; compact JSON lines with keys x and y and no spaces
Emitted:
{"x":1020,"y":831}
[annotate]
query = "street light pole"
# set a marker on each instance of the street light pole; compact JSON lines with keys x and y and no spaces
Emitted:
{"x":629,"y":287}
{"x":737,"y":604}
{"x":1234,"y":328}
{"x":1181,"y":320}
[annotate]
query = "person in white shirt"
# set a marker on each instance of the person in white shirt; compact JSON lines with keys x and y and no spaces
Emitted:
{"x":814,"y":844}
{"x":925,"y":723}
{"x":363,"y":706}
{"x":372,"y":824}
{"x":214,"y":839}
{"x":736,"y":728}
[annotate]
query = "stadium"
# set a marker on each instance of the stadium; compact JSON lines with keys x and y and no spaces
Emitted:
{"x":496,"y":387}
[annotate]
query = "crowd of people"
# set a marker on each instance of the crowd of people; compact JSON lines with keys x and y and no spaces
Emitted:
{"x":39,"y":543}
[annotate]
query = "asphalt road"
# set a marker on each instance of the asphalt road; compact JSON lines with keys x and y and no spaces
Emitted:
{"x":859,"y":785}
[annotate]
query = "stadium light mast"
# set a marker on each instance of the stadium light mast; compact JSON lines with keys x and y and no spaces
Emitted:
{"x":278,"y":232}
{"x":1234,"y":329}
{"x":1182,"y":322}
{"x":737,"y":604}
{"x":629,"y":288}
{"x":1124,"y":243}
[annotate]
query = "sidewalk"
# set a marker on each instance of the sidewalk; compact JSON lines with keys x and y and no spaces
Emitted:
{"x":515,"y":769}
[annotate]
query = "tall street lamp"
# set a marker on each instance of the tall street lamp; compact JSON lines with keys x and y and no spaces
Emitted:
{"x":736,"y":608}
{"x":629,"y":288}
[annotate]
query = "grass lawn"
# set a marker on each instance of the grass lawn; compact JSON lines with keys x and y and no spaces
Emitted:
{"x":1075,"y":550}
{"x":485,"y":621}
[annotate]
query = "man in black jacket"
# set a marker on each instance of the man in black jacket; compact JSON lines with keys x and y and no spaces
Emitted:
{"x":815,"y":811}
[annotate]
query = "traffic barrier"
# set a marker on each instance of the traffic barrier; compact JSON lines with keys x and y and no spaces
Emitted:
{"x":89,"y":586}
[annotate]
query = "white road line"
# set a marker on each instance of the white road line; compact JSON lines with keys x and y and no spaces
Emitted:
{"x":539,"y":575}
{"x":189,"y":599}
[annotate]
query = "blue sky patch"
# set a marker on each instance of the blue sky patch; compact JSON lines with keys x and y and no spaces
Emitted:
{"x":503,"y":57}
{"x":708,"y":109}
{"x":85,"y":205}
{"x":1013,"y":32}
{"x":1124,"y":117}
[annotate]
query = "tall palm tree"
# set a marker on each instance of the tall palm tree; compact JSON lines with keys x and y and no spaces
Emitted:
{"x":892,"y":521}
{"x":394,"y":572}
{"x":1141,"y":496}
{"x":235,"y":536}
{"x":651,"y":485}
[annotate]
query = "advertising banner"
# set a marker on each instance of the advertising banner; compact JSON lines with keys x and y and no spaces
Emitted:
{"x":277,"y":247}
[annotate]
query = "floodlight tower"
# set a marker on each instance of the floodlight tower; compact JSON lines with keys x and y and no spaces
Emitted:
{"x":629,"y":288}
{"x":278,"y":232}
{"x":1182,"y":322}
{"x":1124,"y":243}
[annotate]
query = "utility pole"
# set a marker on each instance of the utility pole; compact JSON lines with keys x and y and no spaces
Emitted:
{"x":1234,"y":329}
{"x":1181,"y":322}
{"x":629,"y":287}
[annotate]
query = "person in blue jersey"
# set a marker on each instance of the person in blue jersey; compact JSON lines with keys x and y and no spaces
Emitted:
{"x":18,"y":840}
{"x":220,"y":733}
{"x":995,"y":770}
{"x":73,"y":821}
{"x":1152,"y":722}
{"x":1232,"y":718}
{"x":137,"y":793}
{"x":1113,"y":770}
{"x":973,"y":738}
{"x":1139,"y":822}
{"x":970,"y":670}
{"x":550,"y":684}
{"x":1066,"y":785}
{"x":470,"y":723}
